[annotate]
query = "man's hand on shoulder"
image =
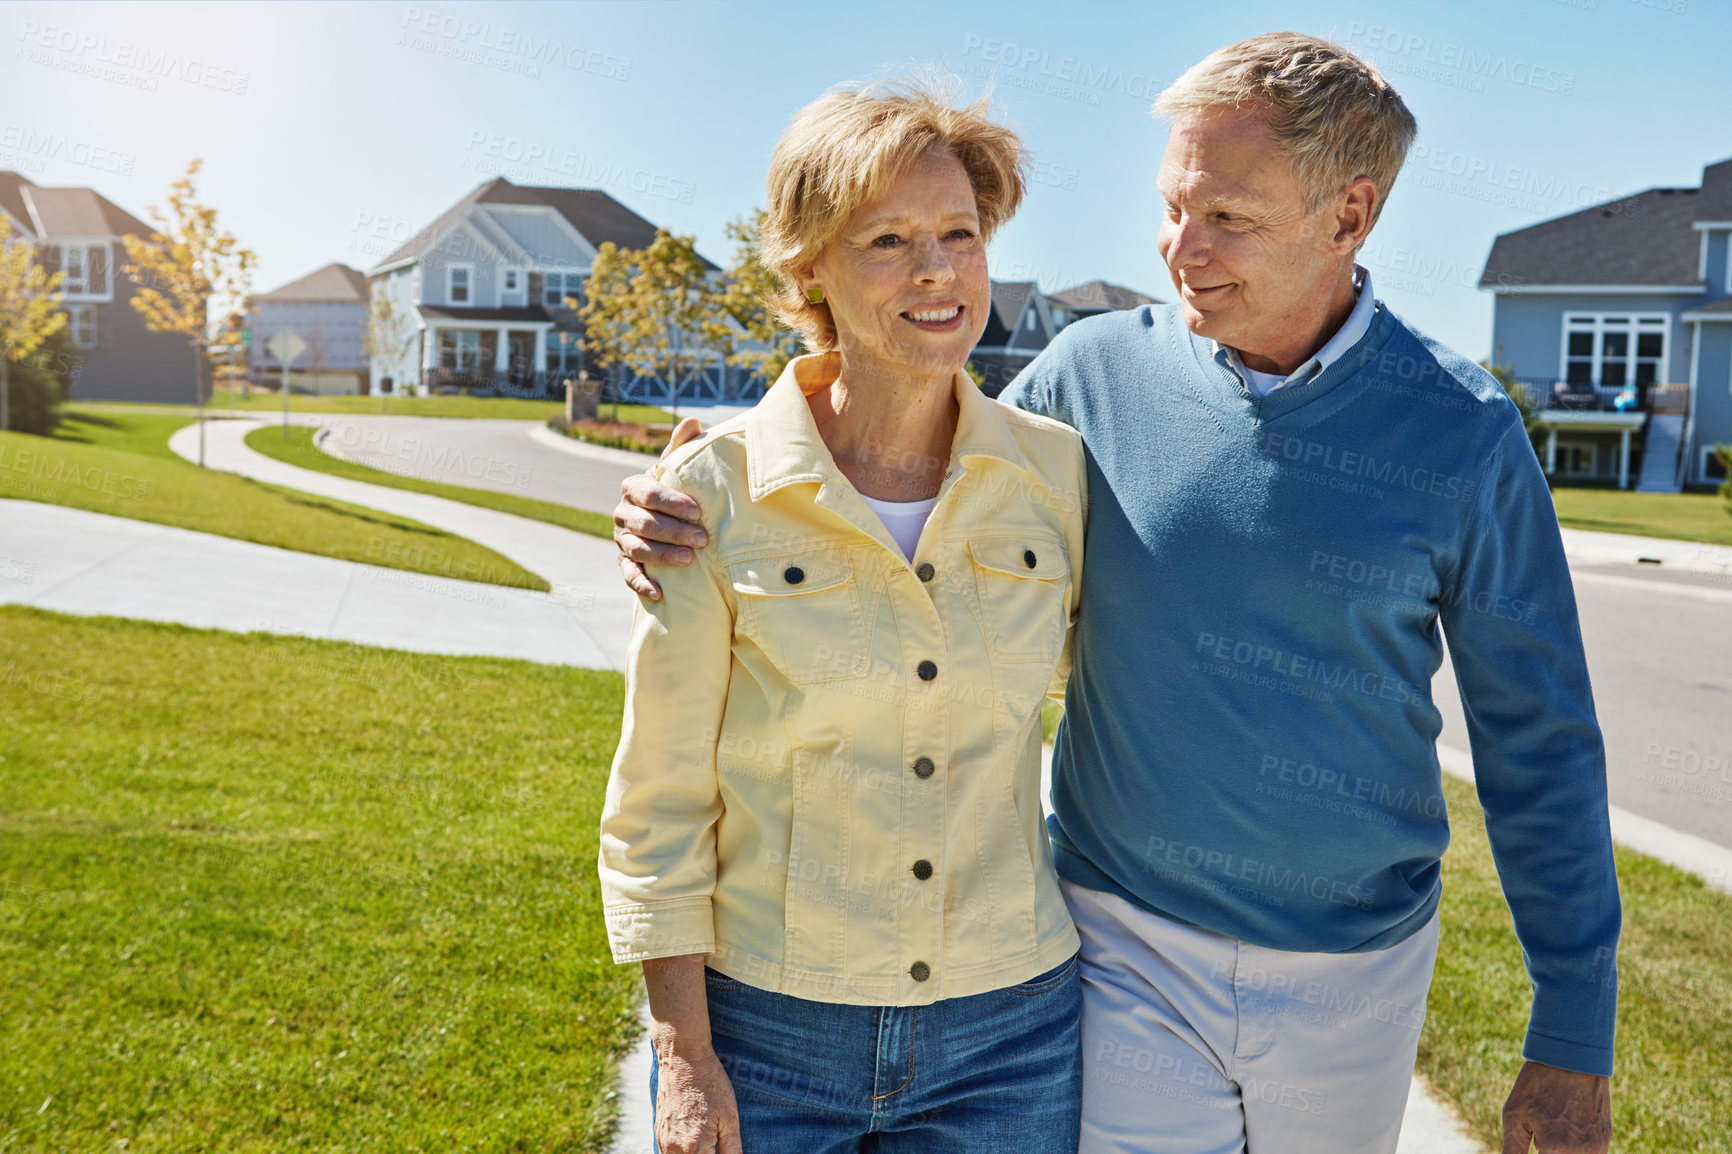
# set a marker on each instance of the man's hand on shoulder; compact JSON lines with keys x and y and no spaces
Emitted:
{"x":655,"y":524}
{"x":1557,"y":1112}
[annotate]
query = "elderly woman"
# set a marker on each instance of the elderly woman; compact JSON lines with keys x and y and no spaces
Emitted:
{"x":823,"y":834}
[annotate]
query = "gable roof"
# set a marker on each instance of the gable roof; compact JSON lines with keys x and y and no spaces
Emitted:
{"x":596,"y":216}
{"x":1008,"y":300}
{"x":1101,"y":295}
{"x":334,"y":282}
{"x":52,"y":212}
{"x":1644,"y":239}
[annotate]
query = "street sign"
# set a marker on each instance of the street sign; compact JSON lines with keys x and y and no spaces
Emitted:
{"x":286,"y":345}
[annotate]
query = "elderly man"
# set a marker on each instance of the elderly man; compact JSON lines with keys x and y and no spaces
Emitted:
{"x":1291,"y":489}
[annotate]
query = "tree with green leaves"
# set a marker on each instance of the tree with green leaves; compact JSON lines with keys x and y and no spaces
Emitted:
{"x":750,"y":286}
{"x":1525,"y":401}
{"x":655,"y":310}
{"x":1724,"y":452}
{"x":185,"y":272}
{"x":30,"y":313}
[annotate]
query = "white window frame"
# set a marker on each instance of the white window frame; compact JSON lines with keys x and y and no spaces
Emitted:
{"x":81,"y":321}
{"x":461,"y":350}
{"x":468,"y":285}
{"x":1595,"y":322}
{"x":570,"y":284}
{"x":1565,"y":444}
{"x":1708,"y":458}
{"x":519,"y":291}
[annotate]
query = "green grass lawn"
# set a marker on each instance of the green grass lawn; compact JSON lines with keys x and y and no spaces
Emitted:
{"x":508,"y":408}
{"x":297,"y":449}
{"x":1678,"y":516}
{"x":119,"y":463}
{"x":1672,"y":1089}
{"x":262,"y":893}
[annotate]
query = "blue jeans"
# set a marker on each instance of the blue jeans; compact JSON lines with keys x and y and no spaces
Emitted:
{"x":991,"y":1072}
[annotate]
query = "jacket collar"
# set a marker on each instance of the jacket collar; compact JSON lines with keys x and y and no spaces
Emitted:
{"x":783,"y":446}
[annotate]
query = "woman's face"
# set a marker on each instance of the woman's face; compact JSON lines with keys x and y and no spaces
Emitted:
{"x":906,"y":278}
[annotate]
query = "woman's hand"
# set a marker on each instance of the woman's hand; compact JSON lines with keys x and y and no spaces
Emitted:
{"x":695,"y":1109}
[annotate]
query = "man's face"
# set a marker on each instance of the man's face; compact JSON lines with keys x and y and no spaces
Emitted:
{"x":1252,"y":268}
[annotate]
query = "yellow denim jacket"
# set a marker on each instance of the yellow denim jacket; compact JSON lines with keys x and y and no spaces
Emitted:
{"x":828,"y":778}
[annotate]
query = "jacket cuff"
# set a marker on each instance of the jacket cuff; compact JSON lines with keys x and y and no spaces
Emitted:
{"x":670,"y":929}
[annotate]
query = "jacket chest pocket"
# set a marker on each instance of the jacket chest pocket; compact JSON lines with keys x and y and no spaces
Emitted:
{"x":1021,"y":582}
{"x":806,"y":612}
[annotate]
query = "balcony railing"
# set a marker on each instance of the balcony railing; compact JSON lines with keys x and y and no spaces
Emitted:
{"x":1561,"y":396}
{"x":490,"y":382}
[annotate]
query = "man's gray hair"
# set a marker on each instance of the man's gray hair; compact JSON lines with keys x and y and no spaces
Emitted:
{"x":1331,"y":112}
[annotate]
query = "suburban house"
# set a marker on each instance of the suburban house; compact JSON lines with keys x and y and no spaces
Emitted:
{"x":1023,"y":320}
{"x":1094,"y":298}
{"x":1618,"y":320}
{"x":477,"y":299}
{"x":327,"y":309}
{"x":77,"y":232}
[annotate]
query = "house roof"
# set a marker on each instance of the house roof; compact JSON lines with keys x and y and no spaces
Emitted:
{"x":1644,"y":239}
{"x":334,"y":282}
{"x":52,"y":212}
{"x":533,"y":313}
{"x":1721,"y":307}
{"x":1716,"y":197}
{"x":1008,"y":299}
{"x":1101,"y":295}
{"x":598,"y":217}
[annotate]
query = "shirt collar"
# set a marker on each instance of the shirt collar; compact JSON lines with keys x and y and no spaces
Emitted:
{"x":783,"y":445}
{"x":1357,"y":324}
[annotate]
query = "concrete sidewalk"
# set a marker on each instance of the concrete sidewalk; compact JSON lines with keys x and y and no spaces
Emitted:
{"x":92,"y":564}
{"x":580,"y":568}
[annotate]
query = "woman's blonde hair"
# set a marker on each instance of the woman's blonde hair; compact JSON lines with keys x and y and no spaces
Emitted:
{"x":1332,"y":113}
{"x":845,"y":149}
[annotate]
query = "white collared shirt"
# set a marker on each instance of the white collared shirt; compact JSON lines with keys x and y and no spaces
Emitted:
{"x":1358,"y":323}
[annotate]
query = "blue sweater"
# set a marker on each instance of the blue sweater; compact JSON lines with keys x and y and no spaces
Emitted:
{"x":1249,"y":740}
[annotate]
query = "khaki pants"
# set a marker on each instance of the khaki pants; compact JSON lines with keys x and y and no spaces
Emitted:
{"x":1195,"y":1043}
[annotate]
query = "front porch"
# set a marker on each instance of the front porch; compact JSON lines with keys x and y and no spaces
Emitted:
{"x":1590,"y":429}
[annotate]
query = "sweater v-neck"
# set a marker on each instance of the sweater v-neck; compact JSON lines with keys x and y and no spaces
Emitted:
{"x":1220,"y":388}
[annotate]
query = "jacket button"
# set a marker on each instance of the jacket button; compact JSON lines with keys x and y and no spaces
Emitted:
{"x":793,"y":574}
{"x":924,"y":570}
{"x":920,"y":971}
{"x":923,"y":767}
{"x":922,"y":869}
{"x":927,"y":670}
{"x":1028,"y":558}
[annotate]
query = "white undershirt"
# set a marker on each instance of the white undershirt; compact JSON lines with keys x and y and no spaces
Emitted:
{"x":904,"y":519}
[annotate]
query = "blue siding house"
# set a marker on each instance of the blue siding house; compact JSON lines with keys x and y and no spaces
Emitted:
{"x":1618,"y":320}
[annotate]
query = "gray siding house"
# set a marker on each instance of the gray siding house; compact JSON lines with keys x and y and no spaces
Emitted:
{"x":1024,"y":320}
{"x":1618,"y":319}
{"x":77,"y":232}
{"x":479,"y":296}
{"x":328,"y":310}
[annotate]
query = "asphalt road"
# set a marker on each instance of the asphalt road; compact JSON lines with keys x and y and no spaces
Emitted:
{"x":1660,"y":656}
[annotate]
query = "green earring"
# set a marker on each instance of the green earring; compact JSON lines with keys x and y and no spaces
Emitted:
{"x":815,"y":296}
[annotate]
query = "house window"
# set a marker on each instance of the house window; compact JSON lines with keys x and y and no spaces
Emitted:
{"x":1713,"y":468}
{"x":1578,"y":458}
{"x":511,"y":280}
{"x":1614,"y":349}
{"x":556,"y":286}
{"x":459,"y":349}
{"x":457,"y":279}
{"x":81,"y":319}
{"x":83,"y":269}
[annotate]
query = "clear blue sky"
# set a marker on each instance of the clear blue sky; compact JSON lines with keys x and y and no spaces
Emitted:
{"x":329,"y":130}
